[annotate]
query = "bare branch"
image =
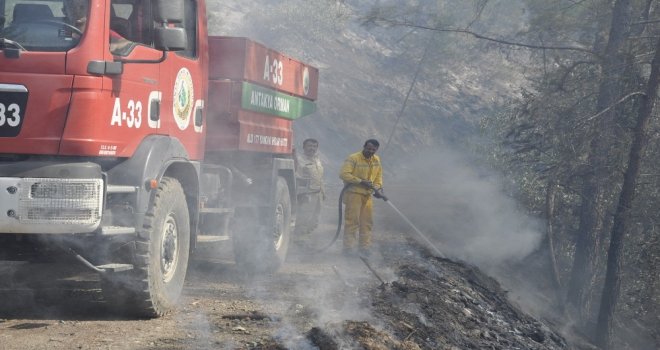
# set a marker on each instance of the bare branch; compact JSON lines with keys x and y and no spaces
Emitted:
{"x":623,"y":99}
{"x":480,"y":36}
{"x":480,"y":9}
{"x":405,"y":101}
{"x":645,"y":22}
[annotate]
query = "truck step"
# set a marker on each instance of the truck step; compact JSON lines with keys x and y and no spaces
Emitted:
{"x":216,"y":210}
{"x":121,"y":189}
{"x":211,"y":238}
{"x":115,"y":267}
{"x":117,"y":230}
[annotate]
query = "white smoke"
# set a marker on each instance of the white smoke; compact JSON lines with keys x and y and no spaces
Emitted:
{"x":459,"y":207}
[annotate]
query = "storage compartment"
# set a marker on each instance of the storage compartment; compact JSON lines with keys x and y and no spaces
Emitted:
{"x":240,"y":59}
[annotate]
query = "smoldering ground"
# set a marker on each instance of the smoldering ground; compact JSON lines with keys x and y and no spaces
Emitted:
{"x":462,"y":207}
{"x":325,"y":300}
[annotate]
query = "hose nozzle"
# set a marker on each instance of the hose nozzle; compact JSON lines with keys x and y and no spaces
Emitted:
{"x":378,"y":193}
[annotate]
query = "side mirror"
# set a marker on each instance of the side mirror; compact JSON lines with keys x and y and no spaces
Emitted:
{"x":168,"y":11}
{"x":170,"y":39}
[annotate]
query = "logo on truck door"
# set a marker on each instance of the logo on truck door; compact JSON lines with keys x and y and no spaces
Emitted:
{"x":183,"y":98}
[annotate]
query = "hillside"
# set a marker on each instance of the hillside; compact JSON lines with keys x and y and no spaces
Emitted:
{"x":365,"y":74}
{"x":367,"y":71}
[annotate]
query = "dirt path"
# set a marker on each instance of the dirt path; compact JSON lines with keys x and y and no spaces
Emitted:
{"x":42,"y":307}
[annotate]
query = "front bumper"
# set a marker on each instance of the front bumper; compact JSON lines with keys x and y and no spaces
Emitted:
{"x":50,"y":205}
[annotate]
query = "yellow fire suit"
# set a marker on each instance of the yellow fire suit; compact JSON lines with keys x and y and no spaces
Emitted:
{"x":357,"y":198}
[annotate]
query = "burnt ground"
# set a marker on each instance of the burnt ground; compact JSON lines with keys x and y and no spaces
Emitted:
{"x":404,"y":299}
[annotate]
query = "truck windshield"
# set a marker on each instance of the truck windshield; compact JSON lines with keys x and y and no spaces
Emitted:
{"x":43,"y":25}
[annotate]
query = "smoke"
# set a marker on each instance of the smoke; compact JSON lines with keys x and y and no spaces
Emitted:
{"x":313,"y":292}
{"x":460,"y":207}
{"x":463,"y":210}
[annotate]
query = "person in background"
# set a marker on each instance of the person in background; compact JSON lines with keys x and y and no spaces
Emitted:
{"x":363,"y":174}
{"x":76,"y":12}
{"x":310,"y":188}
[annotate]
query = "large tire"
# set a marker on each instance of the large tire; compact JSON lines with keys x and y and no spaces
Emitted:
{"x":263,"y":249}
{"x":153,"y":287}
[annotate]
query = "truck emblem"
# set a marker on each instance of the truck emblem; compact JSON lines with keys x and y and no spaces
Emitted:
{"x":183,"y":98}
{"x":306,"y":81}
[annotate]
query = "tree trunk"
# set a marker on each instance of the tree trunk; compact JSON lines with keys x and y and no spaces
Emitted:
{"x":550,"y":214}
{"x":595,"y":182}
{"x":586,"y":249}
{"x":612,"y":286}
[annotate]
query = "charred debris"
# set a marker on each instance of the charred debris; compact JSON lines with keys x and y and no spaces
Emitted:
{"x":431,"y":303}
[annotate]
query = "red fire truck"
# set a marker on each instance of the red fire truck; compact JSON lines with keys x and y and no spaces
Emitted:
{"x":129,"y":137}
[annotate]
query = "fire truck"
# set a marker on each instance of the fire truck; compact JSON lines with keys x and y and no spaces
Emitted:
{"x":129,"y":138}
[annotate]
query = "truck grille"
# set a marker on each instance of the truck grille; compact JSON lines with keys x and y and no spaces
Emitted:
{"x":61,"y":201}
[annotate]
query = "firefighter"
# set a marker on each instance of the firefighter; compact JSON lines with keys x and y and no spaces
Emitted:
{"x":363,"y":174}
{"x":310,"y":189}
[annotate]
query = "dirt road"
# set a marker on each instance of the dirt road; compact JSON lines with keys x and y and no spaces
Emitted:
{"x":42,"y":307}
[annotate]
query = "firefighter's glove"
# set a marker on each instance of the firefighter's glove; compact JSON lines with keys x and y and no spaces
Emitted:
{"x":378,"y":193}
{"x":366,"y":183}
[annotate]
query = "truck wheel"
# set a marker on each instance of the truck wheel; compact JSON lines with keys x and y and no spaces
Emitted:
{"x":153,"y":287}
{"x":260,"y":248}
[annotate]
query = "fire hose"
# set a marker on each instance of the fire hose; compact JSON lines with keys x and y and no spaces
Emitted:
{"x":378,"y":193}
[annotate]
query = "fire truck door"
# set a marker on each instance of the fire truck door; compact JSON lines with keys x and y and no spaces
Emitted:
{"x":184,"y":88}
{"x":140,"y":85}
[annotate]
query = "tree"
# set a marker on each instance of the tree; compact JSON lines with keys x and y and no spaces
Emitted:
{"x":612,"y":286}
{"x":593,"y":206}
